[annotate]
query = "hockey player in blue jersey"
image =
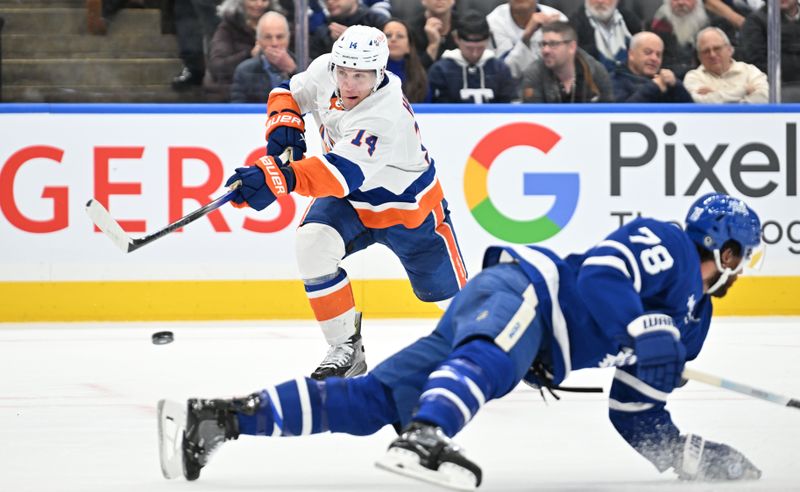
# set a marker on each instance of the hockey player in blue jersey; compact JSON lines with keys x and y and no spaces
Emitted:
{"x":639,"y":300}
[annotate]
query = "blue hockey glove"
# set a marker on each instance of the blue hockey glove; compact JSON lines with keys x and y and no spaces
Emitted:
{"x":698,"y":459}
{"x":286,"y":137}
{"x":261,"y":183}
{"x":660,"y":355}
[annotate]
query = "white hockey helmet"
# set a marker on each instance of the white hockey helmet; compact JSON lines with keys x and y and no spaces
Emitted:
{"x":362,"y":48}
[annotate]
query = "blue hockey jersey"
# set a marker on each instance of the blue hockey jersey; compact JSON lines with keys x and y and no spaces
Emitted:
{"x":588,"y":300}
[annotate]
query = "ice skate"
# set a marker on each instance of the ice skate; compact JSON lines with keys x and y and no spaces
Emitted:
{"x":344,"y":360}
{"x":425,"y":453}
{"x":209,"y":423}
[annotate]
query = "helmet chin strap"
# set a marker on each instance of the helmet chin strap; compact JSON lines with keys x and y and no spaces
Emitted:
{"x":725,"y":271}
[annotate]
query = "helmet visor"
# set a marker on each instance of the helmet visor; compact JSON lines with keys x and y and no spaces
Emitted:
{"x":754,"y":260}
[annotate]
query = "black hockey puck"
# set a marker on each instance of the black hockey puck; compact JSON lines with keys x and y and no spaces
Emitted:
{"x":163,"y":337}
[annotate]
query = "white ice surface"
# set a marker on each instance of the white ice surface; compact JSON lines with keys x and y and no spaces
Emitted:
{"x":77,"y":412}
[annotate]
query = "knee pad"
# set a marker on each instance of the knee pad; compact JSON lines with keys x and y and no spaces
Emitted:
{"x":320,"y":249}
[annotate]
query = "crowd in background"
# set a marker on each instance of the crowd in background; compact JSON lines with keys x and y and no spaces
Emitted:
{"x":448,"y":51}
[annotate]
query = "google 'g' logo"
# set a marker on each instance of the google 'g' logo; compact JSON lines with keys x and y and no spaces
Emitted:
{"x":564,"y":186}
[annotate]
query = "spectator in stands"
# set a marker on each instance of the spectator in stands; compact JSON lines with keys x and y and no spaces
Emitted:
{"x":604,"y":31}
{"x":642,"y":79}
{"x":471,"y":73}
{"x":341,"y":15}
{"x":678,"y":22}
{"x":516,"y":32}
{"x":432,"y":30}
{"x":565,"y":73}
{"x":380,"y":7}
{"x":720,"y":78}
{"x":256,"y":76}
{"x":754,"y":46}
{"x":234,"y":41}
{"x":404,"y":61}
{"x":733,"y":11}
{"x":195,"y":24}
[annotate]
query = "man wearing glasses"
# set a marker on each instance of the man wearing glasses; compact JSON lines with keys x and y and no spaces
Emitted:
{"x":565,"y":73}
{"x":720,"y":78}
{"x":516,"y":31}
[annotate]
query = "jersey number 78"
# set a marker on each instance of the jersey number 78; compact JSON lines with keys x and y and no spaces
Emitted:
{"x":656,"y":258}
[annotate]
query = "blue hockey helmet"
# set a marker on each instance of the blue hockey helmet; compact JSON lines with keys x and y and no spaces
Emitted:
{"x":715,"y":218}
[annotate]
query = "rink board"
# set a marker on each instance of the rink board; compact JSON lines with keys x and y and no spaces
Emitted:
{"x":558,"y":177}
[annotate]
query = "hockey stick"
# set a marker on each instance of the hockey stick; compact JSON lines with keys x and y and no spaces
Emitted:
{"x":111,"y":228}
{"x":740,"y":388}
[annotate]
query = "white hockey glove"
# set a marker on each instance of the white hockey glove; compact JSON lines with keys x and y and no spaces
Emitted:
{"x":701,"y":460}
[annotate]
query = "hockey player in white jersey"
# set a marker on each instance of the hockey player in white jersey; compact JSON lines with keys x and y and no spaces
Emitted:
{"x":374,"y":183}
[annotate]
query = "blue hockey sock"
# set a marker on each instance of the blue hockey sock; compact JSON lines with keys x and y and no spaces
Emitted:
{"x":357,"y":406}
{"x":292,"y":408}
{"x":475,"y":373}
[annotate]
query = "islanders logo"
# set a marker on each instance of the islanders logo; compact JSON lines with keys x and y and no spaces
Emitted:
{"x":565,"y":187}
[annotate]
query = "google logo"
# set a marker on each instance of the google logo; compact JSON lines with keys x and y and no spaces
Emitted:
{"x":565,"y":187}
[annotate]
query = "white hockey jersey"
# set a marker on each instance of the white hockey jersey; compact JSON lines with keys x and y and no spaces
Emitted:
{"x":373,"y":153}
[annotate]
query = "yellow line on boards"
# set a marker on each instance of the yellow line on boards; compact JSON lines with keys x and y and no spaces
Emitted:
{"x":194,"y":300}
{"x":286,"y":299}
{"x":761,"y":296}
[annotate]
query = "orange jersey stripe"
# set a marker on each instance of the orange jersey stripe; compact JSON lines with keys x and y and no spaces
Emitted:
{"x":409,"y":218}
{"x":444,"y":230}
{"x":334,"y":304}
{"x":314,"y":178}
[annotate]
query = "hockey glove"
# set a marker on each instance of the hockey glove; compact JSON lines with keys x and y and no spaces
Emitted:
{"x":698,"y":459}
{"x":660,"y":355}
{"x":261,"y":183}
{"x":286,"y":130}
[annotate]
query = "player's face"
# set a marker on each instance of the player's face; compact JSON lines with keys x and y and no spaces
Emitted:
{"x":354,"y":85}
{"x":728,"y":261}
